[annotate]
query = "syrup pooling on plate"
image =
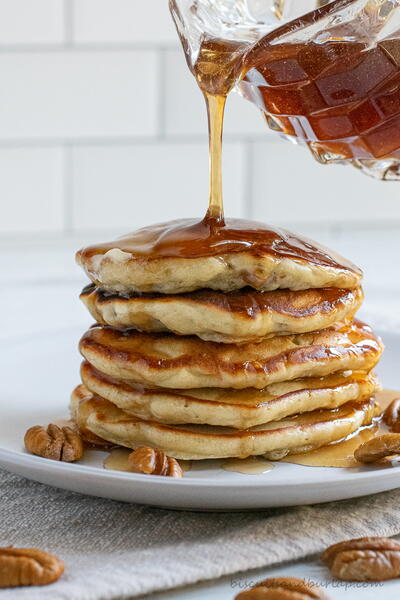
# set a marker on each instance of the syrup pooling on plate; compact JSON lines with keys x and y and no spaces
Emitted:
{"x":341,"y":454}
{"x":247,"y":466}
{"x":117,"y":460}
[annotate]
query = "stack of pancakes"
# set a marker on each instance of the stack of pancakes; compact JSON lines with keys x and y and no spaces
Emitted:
{"x":231,"y":355}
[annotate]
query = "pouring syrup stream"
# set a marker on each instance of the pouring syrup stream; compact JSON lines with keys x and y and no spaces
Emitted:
{"x":217,"y":70}
{"x":215,"y":111}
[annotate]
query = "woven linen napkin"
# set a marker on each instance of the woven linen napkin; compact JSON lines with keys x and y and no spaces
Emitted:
{"x":114,"y":550}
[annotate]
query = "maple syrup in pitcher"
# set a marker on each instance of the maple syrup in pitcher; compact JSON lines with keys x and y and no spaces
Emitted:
{"x":338,"y":91}
{"x":341,"y":98}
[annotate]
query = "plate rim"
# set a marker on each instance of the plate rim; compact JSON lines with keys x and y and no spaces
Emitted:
{"x":28,"y":460}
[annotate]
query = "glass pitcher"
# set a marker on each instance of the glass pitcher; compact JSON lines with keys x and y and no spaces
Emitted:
{"x":325,"y":73}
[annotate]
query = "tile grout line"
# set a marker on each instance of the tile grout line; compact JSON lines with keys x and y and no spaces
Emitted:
{"x":336,"y":230}
{"x":72,"y":46}
{"x":248,"y":185}
{"x":161,"y":117}
{"x":68,"y":9}
{"x":110,"y":141}
{"x":68,"y":190}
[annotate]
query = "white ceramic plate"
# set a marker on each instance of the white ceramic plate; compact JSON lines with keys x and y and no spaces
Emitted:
{"x":38,"y":375}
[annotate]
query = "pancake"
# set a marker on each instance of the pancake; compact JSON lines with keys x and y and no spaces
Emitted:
{"x":168,"y":361}
{"x":193,"y":442}
{"x":186,"y":255}
{"x":227,"y":407}
{"x":232,"y":317}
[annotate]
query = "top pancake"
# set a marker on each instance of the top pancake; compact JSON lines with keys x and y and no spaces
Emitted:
{"x":186,"y":255}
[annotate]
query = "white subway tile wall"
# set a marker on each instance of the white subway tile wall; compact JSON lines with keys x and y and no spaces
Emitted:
{"x":102,"y":127}
{"x":31,"y":189}
{"x":135,"y":185}
{"x":32,"y":22}
{"x":319,"y":193}
{"x":123,"y":21}
{"x":75,"y":95}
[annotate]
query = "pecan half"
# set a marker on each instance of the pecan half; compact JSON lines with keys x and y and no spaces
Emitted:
{"x":154,"y":462}
{"x":391,"y":416}
{"x":53,"y":442}
{"x":364,"y":559}
{"x":283,"y":588}
{"x":27,"y":566}
{"x":378,"y":448}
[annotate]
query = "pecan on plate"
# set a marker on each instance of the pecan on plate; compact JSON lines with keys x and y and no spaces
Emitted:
{"x":391,"y":415}
{"x":63,"y":444}
{"x":379,"y":447}
{"x":283,"y":588}
{"x":364,"y":559}
{"x":27,"y":566}
{"x":154,"y":462}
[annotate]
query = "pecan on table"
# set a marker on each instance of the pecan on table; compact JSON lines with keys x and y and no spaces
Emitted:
{"x":27,"y":566}
{"x":364,"y":559}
